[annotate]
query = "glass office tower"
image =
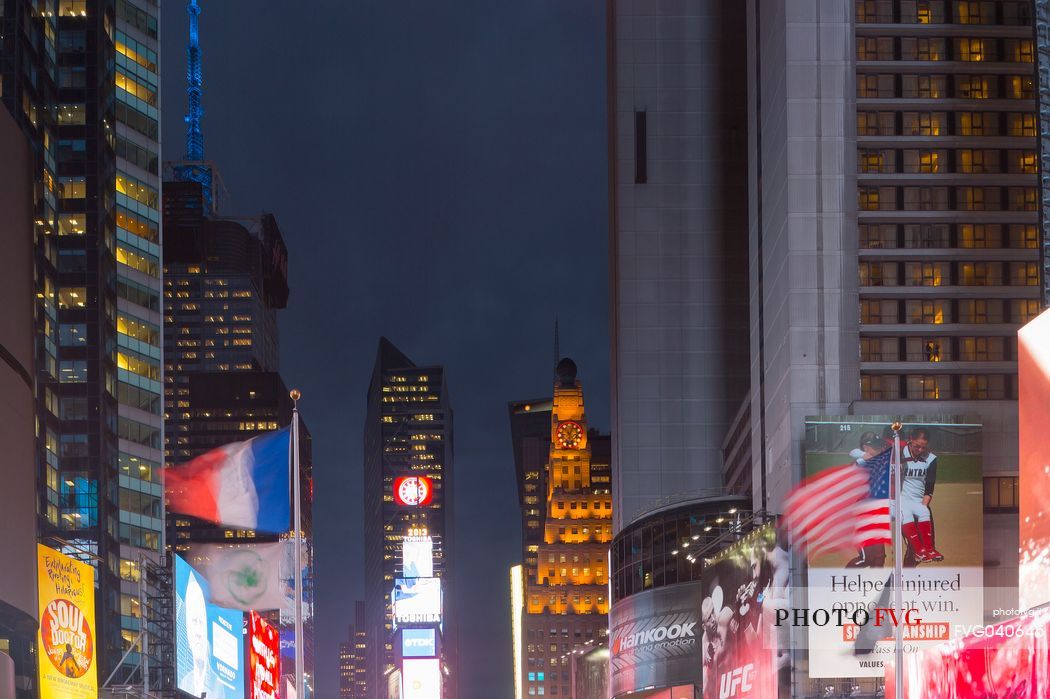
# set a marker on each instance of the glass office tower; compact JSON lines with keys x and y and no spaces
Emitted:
{"x":407,"y":493}
{"x":83,"y":76}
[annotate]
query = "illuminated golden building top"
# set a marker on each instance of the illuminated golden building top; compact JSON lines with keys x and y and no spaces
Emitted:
{"x":571,"y":573}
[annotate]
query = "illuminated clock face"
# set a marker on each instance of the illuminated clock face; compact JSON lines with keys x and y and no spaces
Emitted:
{"x":413,"y":490}
{"x":569,"y":435}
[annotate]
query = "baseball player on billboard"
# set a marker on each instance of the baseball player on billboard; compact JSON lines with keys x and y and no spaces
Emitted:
{"x":918,"y":478}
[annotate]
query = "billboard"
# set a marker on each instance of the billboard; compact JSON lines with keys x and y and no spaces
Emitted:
{"x":941,"y":529}
{"x":417,"y":600}
{"x":413,"y":491}
{"x":264,"y":659}
{"x":743,"y":587}
{"x":66,"y":589}
{"x":1033,"y":412}
{"x":418,"y":643}
{"x":421,"y":679}
{"x":1010,"y":659}
{"x":654,"y":639}
{"x":209,"y":640}
{"x":417,"y":557}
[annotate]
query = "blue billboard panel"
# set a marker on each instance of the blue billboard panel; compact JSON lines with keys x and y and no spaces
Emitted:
{"x":418,"y":643}
{"x":209,"y":640}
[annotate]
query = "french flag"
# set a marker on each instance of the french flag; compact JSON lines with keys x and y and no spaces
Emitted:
{"x":244,"y":484}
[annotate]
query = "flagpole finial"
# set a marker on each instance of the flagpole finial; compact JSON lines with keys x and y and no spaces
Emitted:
{"x":295,"y":395}
{"x":896,"y":426}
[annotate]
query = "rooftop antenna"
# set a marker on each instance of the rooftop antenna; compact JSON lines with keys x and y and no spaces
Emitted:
{"x":194,"y":75}
{"x":557,"y":348}
{"x":194,"y":168}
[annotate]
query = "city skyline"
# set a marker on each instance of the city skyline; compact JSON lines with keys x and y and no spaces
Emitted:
{"x":521,"y":208}
{"x":762,"y":288}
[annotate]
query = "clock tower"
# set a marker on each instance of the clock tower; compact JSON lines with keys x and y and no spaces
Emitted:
{"x":566,"y":594}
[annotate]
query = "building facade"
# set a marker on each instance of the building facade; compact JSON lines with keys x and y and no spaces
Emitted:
{"x":894,"y":227}
{"x":895,"y":218}
{"x":678,"y":256}
{"x":18,"y":598}
{"x":408,"y":499}
{"x":352,"y":655}
{"x":564,"y":488}
{"x":81,"y":77}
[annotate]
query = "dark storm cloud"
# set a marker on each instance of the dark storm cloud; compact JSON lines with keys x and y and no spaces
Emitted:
{"x":438,"y":170}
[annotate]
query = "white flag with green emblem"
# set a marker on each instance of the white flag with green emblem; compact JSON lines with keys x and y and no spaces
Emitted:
{"x":243,"y":576}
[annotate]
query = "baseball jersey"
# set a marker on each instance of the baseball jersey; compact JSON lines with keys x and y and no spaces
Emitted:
{"x":918,"y":476}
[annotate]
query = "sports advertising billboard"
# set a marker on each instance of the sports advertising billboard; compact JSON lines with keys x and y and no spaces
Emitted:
{"x":1033,"y":411}
{"x":418,"y":643}
{"x":417,"y":600}
{"x":941,"y":529}
{"x":654,"y":639}
{"x":743,"y":587}
{"x":209,"y":640}
{"x":417,"y":557}
{"x":421,"y":679}
{"x":413,"y":491}
{"x":66,"y":589}
{"x":264,"y":659}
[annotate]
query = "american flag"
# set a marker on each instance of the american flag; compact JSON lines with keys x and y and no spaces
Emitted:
{"x":842,"y":508}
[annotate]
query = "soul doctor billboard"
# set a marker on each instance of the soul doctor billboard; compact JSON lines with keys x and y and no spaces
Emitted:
{"x":209,"y":640}
{"x":745,"y":655}
{"x":941,"y":527}
{"x":264,"y":659}
{"x":66,"y":643}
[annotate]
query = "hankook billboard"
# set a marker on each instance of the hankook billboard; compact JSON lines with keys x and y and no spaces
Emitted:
{"x":655,"y":639}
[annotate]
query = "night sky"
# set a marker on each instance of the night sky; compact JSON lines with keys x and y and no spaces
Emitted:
{"x":438,"y":171}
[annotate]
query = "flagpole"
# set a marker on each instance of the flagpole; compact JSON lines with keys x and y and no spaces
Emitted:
{"x":297,"y":566}
{"x":898,"y":568}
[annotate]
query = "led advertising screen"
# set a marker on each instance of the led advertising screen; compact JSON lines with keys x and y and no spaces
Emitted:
{"x":209,"y":640}
{"x":1033,"y":412}
{"x":421,"y":679}
{"x":418,"y":643}
{"x":264,"y":658}
{"x":417,"y":557}
{"x":66,"y":589}
{"x":417,"y":600}
{"x":941,"y":527}
{"x":413,"y":491}
{"x":745,"y":654}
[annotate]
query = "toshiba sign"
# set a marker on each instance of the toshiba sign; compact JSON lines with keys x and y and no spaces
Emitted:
{"x":655,"y":639}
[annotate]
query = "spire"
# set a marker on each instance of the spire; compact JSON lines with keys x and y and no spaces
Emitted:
{"x":194,"y":137}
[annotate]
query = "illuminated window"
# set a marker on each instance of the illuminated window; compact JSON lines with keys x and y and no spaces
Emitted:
{"x":874,"y":11}
{"x":927,"y":273}
{"x":1023,"y":161}
{"x":974,"y":12}
{"x":980,"y":273}
{"x":875,"y":124}
{"x":980,"y":311}
{"x":976,"y":87}
{"x":875,"y":86}
{"x":927,"y":387}
{"x":878,"y":312}
{"x":927,"y":49}
{"x":979,"y":235}
{"x":1024,"y":310}
{"x":1024,"y":274}
{"x":1020,"y":87}
{"x":1023,"y":236}
{"x":977,"y":161}
{"x":982,"y":387}
{"x":932,"y":312}
{"x":974,"y":50}
{"x":981,"y":349}
{"x":1023,"y":198}
{"x":72,"y":297}
{"x":873,"y":349}
{"x":1022,"y":124}
{"x":1001,"y":495}
{"x":880,"y":387}
{"x":923,"y":86}
{"x":1019,"y":50}
{"x":924,"y":123}
{"x":926,"y":161}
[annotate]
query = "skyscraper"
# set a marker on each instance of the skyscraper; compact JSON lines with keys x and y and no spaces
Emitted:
{"x":408,"y":496}
{"x":564,"y":488}
{"x":81,"y":77}
{"x":352,"y":657}
{"x":18,"y":598}
{"x":678,"y":256}
{"x":892,"y":277}
{"x":225,"y":278}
